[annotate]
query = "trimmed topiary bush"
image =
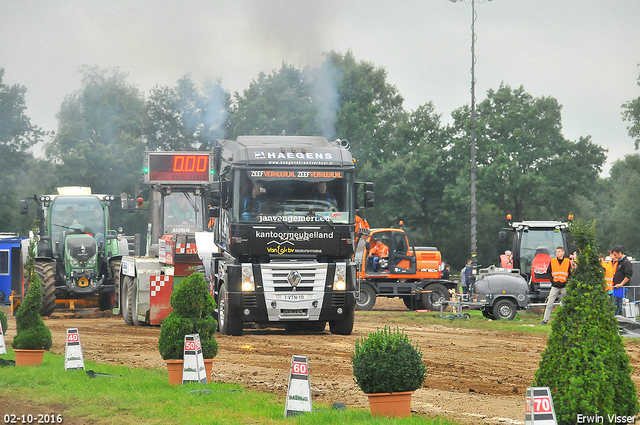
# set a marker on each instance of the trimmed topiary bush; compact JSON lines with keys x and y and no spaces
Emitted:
{"x":386,"y":362}
{"x":193,"y":309}
{"x":31,"y":332}
{"x":585,"y":364}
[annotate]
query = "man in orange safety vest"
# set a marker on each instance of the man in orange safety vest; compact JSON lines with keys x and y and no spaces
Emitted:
{"x":560,"y":271}
{"x":379,"y":251}
{"x":609,"y":270}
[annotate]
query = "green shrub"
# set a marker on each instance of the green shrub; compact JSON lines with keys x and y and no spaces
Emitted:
{"x":193,"y":308}
{"x":585,"y":364}
{"x":387,"y":362}
{"x":31,"y":332}
{"x":4,"y":322}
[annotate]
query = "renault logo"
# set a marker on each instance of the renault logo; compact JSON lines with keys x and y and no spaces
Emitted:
{"x":294,"y":278}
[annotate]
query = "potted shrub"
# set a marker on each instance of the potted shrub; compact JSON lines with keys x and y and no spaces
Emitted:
{"x":192,"y":312}
{"x":32,"y":335}
{"x":388,"y":368}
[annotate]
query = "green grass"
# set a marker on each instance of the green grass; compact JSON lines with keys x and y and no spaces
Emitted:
{"x":145,"y":396}
{"x":524,"y":322}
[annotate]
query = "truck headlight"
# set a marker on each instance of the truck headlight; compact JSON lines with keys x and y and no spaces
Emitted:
{"x":248,"y":284}
{"x":339,"y":280}
{"x":91,"y":262}
{"x":74,"y":262}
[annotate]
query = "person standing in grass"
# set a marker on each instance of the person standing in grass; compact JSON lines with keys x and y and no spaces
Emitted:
{"x":560,"y":270}
{"x":622,"y":275}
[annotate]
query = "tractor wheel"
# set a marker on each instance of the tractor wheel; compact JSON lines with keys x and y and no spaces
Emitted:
{"x":46,"y":272}
{"x":365,"y":298}
{"x":125,"y":302}
{"x":432,"y":298}
{"x":228,"y":325}
{"x":344,"y":326}
{"x":105,"y":301}
{"x":504,"y":309}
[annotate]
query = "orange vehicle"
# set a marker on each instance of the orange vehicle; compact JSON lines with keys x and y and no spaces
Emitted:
{"x":411,"y":273}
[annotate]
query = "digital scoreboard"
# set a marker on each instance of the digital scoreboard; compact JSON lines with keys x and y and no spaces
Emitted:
{"x":178,"y":167}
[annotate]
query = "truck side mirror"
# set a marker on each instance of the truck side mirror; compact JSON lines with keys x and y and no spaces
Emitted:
{"x":367,"y":198}
{"x":220,"y":190}
{"x":24,"y":206}
{"x":503,"y":236}
{"x":368,"y":195}
{"x":216,"y":190}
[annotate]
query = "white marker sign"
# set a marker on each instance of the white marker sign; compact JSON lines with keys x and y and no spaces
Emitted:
{"x":299,"y":392}
{"x":3,"y":348}
{"x":73,"y":358}
{"x":540,"y":410}
{"x":193,"y":370}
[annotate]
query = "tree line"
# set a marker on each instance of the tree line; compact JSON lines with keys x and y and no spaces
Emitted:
{"x":420,"y":166}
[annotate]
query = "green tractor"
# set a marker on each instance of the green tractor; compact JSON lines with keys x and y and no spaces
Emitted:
{"x":78,"y":257}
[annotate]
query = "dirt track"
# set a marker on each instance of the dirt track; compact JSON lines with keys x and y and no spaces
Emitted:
{"x":476,"y":377}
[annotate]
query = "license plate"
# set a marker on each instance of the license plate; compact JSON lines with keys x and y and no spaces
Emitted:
{"x":287,"y":312}
{"x":293,"y":297}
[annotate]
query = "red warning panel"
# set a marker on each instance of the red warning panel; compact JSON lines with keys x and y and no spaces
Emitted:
{"x":161,"y":288}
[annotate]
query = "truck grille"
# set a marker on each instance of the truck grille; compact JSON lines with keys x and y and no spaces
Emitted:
{"x":313,"y":277}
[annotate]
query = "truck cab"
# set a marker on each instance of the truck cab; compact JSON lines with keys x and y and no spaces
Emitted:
{"x":285,"y":220}
{"x":177,"y":206}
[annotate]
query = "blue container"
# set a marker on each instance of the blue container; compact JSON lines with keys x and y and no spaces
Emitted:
{"x":10,"y":266}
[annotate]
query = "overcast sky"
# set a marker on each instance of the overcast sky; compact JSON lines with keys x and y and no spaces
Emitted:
{"x":583,"y":53}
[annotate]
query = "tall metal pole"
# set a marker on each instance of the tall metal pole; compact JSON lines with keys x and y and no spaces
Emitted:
{"x":474,"y":233}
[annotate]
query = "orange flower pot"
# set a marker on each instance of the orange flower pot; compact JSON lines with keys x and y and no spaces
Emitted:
{"x":29,"y":357}
{"x":208,"y":368}
{"x":174,"y":367}
{"x":391,"y":404}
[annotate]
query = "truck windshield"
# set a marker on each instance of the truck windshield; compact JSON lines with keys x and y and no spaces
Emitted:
{"x":183,"y":213}
{"x":536,"y":242}
{"x":293,"y":196}
{"x":76,"y":214}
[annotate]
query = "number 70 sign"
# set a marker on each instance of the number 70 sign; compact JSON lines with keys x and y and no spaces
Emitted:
{"x":539,"y":408}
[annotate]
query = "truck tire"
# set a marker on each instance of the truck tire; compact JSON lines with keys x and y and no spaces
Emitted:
{"x":366,"y":297}
{"x":433,"y":296}
{"x":410,"y":302}
{"x":115,"y":272}
{"x":125,"y":303}
{"x":228,"y":325}
{"x":344,"y":326}
{"x":132,"y":296}
{"x":504,"y":309}
{"x":46,"y":272}
{"x":488,"y":314}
